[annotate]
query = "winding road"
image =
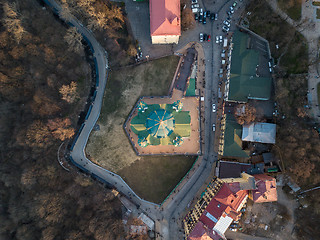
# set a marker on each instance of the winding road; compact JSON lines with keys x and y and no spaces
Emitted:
{"x":168,"y":217}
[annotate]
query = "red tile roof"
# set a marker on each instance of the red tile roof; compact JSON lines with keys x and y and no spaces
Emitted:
{"x":266,"y":189}
{"x":165,"y":17}
{"x":201,"y":232}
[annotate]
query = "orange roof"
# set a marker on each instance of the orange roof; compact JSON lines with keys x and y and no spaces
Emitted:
{"x":165,"y":17}
{"x":227,"y":197}
{"x":266,"y":189}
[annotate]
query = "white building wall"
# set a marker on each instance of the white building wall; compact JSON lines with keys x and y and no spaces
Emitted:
{"x":165,"y":39}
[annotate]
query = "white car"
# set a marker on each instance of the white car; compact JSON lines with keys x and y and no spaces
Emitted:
{"x":225,"y":28}
{"x":213,"y":127}
{"x":213,"y":107}
{"x":220,"y":39}
{"x":217,"y":39}
{"x":201,"y":37}
{"x":195,"y":6}
{"x":225,"y":22}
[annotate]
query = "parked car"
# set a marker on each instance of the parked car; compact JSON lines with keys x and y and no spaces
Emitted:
{"x":196,"y":17}
{"x":201,"y":37}
{"x":225,"y":28}
{"x":195,"y":10}
{"x":208,"y":14}
{"x":234,"y":4}
{"x":209,"y":38}
{"x":201,"y":11}
{"x":204,"y":20}
{"x":195,"y":6}
{"x":194,"y":1}
{"x":213,"y":127}
{"x":216,"y":16}
{"x":212,"y":16}
{"x":225,"y":22}
{"x":205,"y":37}
{"x":213,"y":107}
{"x":220,"y":39}
{"x":217,"y":39}
{"x":200,"y":18}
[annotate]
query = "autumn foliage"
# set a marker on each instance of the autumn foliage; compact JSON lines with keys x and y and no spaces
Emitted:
{"x":245,"y":114}
{"x":40,"y":100}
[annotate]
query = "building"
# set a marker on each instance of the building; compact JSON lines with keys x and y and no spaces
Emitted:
{"x":218,"y":207}
{"x":226,"y":169}
{"x":246,"y":79}
{"x":221,"y":203}
{"x":259,"y":132}
{"x":165,"y":21}
{"x":266,"y":189}
{"x":230,"y":144}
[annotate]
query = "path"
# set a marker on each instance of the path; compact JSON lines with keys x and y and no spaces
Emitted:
{"x":309,"y":27}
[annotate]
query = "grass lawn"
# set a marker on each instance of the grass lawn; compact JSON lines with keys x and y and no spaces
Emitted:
{"x":292,"y":8}
{"x":151,"y":177}
{"x":296,"y":58}
{"x":292,"y":45}
{"x":318,"y":92}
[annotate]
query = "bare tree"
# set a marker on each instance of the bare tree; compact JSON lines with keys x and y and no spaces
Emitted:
{"x":245,"y":114}
{"x":12,"y":21}
{"x":65,"y":13}
{"x":69,"y":92}
{"x":74,"y":40}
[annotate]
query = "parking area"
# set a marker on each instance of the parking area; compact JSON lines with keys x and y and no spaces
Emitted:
{"x":139,"y":22}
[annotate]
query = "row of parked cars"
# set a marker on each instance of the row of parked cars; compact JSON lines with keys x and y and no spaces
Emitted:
{"x":204,"y":15}
{"x":204,"y":37}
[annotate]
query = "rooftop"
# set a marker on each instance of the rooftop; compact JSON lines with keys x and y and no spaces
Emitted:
{"x":266,"y":189}
{"x":245,"y":82}
{"x":165,"y":17}
{"x":232,"y":139}
{"x":259,"y":132}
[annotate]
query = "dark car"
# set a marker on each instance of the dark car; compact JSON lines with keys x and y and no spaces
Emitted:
{"x":208,"y":14}
{"x":204,"y":20}
{"x":205,"y":37}
{"x":196,"y":17}
{"x":212,"y":16}
{"x":200,"y":18}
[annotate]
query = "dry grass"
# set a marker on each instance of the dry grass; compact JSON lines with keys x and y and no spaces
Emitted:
{"x":110,"y":146}
{"x":292,"y":8}
{"x":152,"y":177}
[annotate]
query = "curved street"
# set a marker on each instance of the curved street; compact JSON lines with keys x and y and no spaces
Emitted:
{"x":167,"y":217}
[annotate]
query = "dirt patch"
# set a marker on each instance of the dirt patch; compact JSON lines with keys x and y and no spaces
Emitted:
{"x":273,"y":220}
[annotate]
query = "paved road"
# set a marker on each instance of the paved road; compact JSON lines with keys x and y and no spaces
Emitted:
{"x":166,"y":218}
